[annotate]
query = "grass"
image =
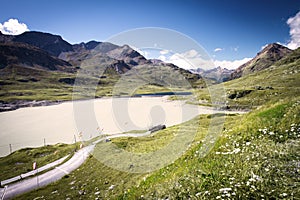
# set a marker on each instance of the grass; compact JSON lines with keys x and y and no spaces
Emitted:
{"x":278,"y":83}
{"x":242,"y":165}
{"x":21,"y":161}
{"x":28,"y":84}
{"x":255,"y":156}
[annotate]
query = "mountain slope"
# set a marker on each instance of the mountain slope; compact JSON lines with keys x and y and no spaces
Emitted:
{"x":54,"y":44}
{"x":264,"y":59}
{"x":130,"y":56}
{"x":13,"y":53}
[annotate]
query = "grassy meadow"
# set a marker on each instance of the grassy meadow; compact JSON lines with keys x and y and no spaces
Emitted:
{"x":255,"y":156}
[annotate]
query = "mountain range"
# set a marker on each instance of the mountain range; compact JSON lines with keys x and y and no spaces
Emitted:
{"x":264,"y":59}
{"x":39,"y":66}
{"x":51,"y":52}
{"x":36,"y":65}
{"x":217,"y":74}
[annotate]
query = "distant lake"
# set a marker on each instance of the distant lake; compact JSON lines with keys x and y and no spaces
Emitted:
{"x":28,"y":127}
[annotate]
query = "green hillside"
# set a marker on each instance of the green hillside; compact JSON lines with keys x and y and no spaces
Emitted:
{"x":256,"y":156}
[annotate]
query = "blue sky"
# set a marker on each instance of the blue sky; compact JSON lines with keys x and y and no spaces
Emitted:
{"x":236,"y":28}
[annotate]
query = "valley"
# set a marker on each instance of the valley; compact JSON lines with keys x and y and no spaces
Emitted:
{"x":255,"y":155}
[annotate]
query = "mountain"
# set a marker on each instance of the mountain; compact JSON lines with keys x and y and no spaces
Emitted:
{"x":218,"y":74}
{"x":54,"y":44}
{"x":43,"y":66}
{"x":85,"y":51}
{"x":264,"y":59}
{"x":128,"y":55}
{"x":21,"y":54}
{"x":5,"y":38}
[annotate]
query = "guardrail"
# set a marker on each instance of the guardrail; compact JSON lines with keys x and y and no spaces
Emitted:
{"x":33,"y":172}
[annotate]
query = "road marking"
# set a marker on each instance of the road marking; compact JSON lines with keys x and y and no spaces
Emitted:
{"x":4,"y":192}
{"x":64,"y":171}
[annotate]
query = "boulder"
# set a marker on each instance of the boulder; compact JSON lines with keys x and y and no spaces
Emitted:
{"x":157,"y":128}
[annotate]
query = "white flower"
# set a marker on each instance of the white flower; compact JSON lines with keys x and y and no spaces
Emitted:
{"x":284,"y":194}
{"x":225,"y":190}
{"x":248,"y":143}
{"x":271,"y":133}
{"x":237,"y":150}
{"x":252,"y":180}
{"x":111,"y":187}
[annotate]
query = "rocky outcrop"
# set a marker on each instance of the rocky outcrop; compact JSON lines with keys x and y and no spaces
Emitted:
{"x":264,"y":59}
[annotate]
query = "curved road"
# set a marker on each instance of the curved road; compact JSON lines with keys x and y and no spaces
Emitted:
{"x":57,"y":173}
{"x":14,"y":189}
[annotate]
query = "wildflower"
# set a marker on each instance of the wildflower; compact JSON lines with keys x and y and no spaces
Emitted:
{"x":284,"y":194}
{"x":271,"y":133}
{"x":248,"y":143}
{"x":237,"y":150}
{"x":225,"y":190}
{"x":111,"y":187}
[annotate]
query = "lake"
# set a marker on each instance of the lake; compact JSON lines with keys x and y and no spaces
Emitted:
{"x":32,"y":126}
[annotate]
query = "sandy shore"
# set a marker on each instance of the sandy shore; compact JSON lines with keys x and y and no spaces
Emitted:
{"x":28,"y":127}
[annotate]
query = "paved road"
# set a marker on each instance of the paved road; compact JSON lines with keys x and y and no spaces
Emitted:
{"x":33,"y":172}
{"x":30,"y":184}
{"x":51,"y":176}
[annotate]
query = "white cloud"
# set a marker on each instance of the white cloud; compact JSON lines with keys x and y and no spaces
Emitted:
{"x":264,"y":46}
{"x":13,"y":27}
{"x":294,"y":24}
{"x":140,"y":51}
{"x":190,"y":60}
{"x":231,"y":64}
{"x":164,"y":51}
{"x":162,"y":58}
{"x":218,"y":49}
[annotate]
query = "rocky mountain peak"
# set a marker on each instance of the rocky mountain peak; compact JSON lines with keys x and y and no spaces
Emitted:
{"x":264,"y":59}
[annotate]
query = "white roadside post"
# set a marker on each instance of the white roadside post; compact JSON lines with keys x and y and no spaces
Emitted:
{"x":81,"y":145}
{"x":34,"y":167}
